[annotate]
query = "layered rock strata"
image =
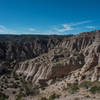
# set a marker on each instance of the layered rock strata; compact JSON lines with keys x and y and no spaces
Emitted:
{"x":80,"y":51}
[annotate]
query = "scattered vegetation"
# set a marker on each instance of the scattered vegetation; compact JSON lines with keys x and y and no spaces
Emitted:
{"x":14,"y":92}
{"x":29,"y":89}
{"x":43,"y":98}
{"x":92,"y":87}
{"x":3,"y":96}
{"x":72,"y":87}
{"x":43,"y":88}
{"x":81,"y":65}
{"x":95,"y":89}
{"x":52,"y":97}
{"x":85,"y":84}
{"x":19,"y":96}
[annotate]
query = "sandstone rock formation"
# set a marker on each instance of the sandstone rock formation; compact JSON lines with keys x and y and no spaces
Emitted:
{"x":51,"y":57}
{"x":80,"y":51}
{"x":50,"y":65}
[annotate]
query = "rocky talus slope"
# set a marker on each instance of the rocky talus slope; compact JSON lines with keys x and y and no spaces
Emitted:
{"x":78,"y":52}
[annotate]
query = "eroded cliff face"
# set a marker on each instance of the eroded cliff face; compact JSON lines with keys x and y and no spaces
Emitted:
{"x":24,"y":47}
{"x":77,"y":52}
{"x":92,"y":60}
{"x":56,"y":63}
{"x":17,"y":48}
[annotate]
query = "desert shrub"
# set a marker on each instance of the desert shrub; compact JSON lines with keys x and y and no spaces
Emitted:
{"x":1,"y":89}
{"x":72,"y":87}
{"x":19,"y":96}
{"x":32,"y":91}
{"x":43,"y":88}
{"x":2,"y":86}
{"x":16,"y":78}
{"x":14,"y":92}
{"x":95,"y":89}
{"x":29,"y":89}
{"x":5,"y":87}
{"x":77,"y":98}
{"x":6,"y":81}
{"x":87,"y":96}
{"x":43,"y":98}
{"x":53,"y":96}
{"x":21,"y":89}
{"x":81,"y":65}
{"x":3,"y":96}
{"x":85,"y":84}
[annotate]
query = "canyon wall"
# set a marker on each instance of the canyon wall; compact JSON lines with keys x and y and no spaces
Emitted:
{"x":72,"y":53}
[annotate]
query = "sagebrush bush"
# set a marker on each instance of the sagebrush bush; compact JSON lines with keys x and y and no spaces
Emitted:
{"x":19,"y":96}
{"x":54,"y":96}
{"x":29,"y":89}
{"x":85,"y":84}
{"x":43,"y":98}
{"x":95,"y":89}
{"x":72,"y":87}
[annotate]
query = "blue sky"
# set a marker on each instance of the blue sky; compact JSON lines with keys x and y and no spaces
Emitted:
{"x":49,"y":16}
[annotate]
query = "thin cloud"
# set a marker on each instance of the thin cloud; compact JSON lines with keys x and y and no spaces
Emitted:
{"x":71,"y":26}
{"x":1,"y":31}
{"x":60,"y":29}
{"x":91,"y":27}
{"x":80,"y":23}
{"x":2,"y":27}
{"x":32,"y":29}
{"x":67,"y":28}
{"x":5,"y":30}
